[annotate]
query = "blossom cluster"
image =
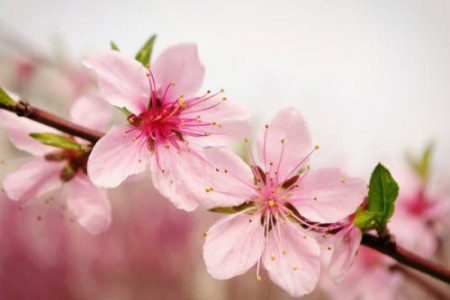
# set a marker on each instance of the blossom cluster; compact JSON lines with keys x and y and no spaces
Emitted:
{"x":281,"y":214}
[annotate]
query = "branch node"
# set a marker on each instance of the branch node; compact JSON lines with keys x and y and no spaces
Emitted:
{"x":23,"y":108}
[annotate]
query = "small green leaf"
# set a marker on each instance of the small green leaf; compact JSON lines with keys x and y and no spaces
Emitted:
{"x":144,"y":54}
{"x":113,"y":46}
{"x":56,"y":140}
{"x":223,"y":210}
{"x":364,"y":219}
{"x":383,"y":191}
{"x":422,"y":165}
{"x":232,"y":209}
{"x":6,"y":99}
{"x":125,"y":111}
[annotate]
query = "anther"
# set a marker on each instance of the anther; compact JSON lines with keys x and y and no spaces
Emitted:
{"x":316,"y":147}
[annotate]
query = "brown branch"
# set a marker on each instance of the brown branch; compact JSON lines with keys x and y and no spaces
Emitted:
{"x":390,"y":248}
{"x":23,"y":109}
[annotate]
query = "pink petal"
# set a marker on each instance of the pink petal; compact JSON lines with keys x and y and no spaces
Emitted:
{"x":344,"y":250}
{"x":231,"y":179}
{"x":285,"y":143}
{"x":18,"y":130}
{"x":327,"y":195}
{"x":89,"y":204}
{"x":117,"y":156}
{"x":122,"y":80}
{"x":181,"y":65}
{"x":231,"y":246}
{"x":181,"y":177}
{"x":292,"y":259}
{"x":33,"y":179}
{"x":424,"y":241}
{"x":91,"y":111}
{"x":229,"y":123}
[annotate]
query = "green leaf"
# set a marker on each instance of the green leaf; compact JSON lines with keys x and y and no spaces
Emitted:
{"x":422,"y":165}
{"x":232,"y":209}
{"x":113,"y":46}
{"x":383,"y":191}
{"x":144,"y":54}
{"x":125,"y":111}
{"x":364,"y":219}
{"x":6,"y":99}
{"x":56,"y":140}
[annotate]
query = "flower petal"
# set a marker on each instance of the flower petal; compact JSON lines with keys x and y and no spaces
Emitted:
{"x":423,"y":241}
{"x":231,"y":179}
{"x":231,"y":245}
{"x":344,"y":250}
{"x":181,"y":65}
{"x":123,"y":82}
{"x":292,"y":259}
{"x":180,"y":176}
{"x":285,"y":143}
{"x":33,"y":179}
{"x":229,"y":123}
{"x":116,"y":156}
{"x":89,"y":204}
{"x":91,"y":111}
{"x":18,"y":130}
{"x":327,"y":195}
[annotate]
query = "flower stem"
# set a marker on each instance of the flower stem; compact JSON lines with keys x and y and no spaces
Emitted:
{"x":390,"y":248}
{"x":23,"y":109}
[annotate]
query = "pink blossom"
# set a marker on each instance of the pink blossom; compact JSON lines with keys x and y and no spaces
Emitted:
{"x":418,"y":209}
{"x":344,"y":248}
{"x":46,"y":172}
{"x":168,"y":127}
{"x":370,"y":278}
{"x":279,"y":211}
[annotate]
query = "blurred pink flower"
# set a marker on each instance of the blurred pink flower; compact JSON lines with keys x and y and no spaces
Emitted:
{"x":46,"y":172}
{"x":144,"y":255}
{"x":168,"y":126}
{"x":278,"y":207}
{"x":370,"y":278}
{"x":416,"y":210}
{"x":344,"y":249}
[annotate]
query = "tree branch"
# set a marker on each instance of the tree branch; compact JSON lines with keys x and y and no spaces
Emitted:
{"x":23,"y":109}
{"x":390,"y":248}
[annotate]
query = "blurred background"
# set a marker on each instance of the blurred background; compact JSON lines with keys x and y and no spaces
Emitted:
{"x":370,"y":77}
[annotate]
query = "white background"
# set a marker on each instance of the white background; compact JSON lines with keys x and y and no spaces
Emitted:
{"x":371,"y":77}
